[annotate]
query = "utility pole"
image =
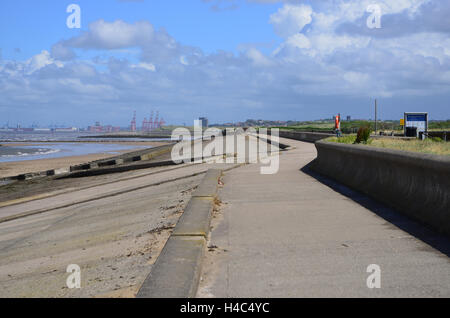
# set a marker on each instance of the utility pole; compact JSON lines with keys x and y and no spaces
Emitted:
{"x":375,"y":116}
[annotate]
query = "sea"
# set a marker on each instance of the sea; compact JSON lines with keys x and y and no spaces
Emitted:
{"x":59,"y":144}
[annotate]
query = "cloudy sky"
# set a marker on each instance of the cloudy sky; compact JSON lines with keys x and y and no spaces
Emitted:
{"x":228,"y":60}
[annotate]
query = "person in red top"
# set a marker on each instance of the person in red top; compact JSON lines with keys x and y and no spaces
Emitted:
{"x":337,"y":125}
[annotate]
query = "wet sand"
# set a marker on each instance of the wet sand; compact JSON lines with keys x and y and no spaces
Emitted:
{"x":8,"y":169}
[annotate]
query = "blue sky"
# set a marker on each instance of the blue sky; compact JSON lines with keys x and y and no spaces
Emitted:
{"x":228,"y":60}
{"x":33,"y":25}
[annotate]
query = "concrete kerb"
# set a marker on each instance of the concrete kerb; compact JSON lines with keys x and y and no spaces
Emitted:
{"x":196,"y":218}
{"x":152,"y":155}
{"x":118,"y":169}
{"x":56,"y":172}
{"x":176,"y":272}
{"x":28,"y":176}
{"x":208,"y":186}
{"x":84,"y":166}
{"x":112,"y":162}
{"x":125,"y":167}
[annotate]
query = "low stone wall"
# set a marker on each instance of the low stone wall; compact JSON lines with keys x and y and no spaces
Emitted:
{"x":416,"y":184}
{"x":304,"y":136}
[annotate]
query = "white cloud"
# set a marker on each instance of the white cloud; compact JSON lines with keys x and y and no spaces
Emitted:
{"x":114,"y":35}
{"x":312,"y":63}
{"x":183,"y":60}
{"x":145,"y":66}
{"x":290,"y":19}
{"x":61,"y":52}
{"x":258,"y":58}
{"x":39,"y":61}
{"x":299,"y":40}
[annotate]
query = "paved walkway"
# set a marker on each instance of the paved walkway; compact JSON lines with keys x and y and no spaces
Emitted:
{"x":292,"y":235}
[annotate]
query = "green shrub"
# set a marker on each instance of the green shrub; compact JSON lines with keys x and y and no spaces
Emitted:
{"x":346,"y":139}
{"x":362,"y":135}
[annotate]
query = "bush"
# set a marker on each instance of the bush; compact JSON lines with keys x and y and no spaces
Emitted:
{"x":347,"y":139}
{"x":362,"y":135}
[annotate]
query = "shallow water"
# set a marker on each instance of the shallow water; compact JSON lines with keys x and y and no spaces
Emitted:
{"x":61,"y":136}
{"x":57,"y":150}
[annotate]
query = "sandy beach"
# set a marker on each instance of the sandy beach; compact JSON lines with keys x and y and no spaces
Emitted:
{"x":18,"y":167}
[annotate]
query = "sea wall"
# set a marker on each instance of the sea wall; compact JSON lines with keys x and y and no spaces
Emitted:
{"x":304,"y":136}
{"x":416,"y":184}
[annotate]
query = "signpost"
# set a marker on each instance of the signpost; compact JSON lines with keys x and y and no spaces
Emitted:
{"x":375,"y":116}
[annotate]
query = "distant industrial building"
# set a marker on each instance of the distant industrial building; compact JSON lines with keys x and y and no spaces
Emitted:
{"x":204,"y":122}
{"x":42,"y":130}
{"x":99,"y":128}
{"x":70,"y":129}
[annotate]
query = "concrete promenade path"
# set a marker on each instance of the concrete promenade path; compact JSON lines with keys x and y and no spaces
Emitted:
{"x":296,"y":234}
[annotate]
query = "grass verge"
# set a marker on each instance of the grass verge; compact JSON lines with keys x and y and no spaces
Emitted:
{"x":429,"y":145}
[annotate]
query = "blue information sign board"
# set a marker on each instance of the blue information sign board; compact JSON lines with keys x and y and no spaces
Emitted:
{"x":416,"y":124}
